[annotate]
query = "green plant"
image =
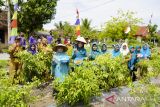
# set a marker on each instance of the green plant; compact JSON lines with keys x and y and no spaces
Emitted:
{"x":38,"y":65}
{"x":87,"y":80}
{"x":12,"y":95}
{"x":80,"y":85}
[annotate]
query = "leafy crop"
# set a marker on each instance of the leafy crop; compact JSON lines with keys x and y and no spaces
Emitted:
{"x":38,"y":65}
{"x":12,"y":95}
{"x":87,"y":81}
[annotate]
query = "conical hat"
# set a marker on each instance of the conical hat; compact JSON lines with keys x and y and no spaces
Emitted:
{"x":81,"y":39}
{"x":60,"y":45}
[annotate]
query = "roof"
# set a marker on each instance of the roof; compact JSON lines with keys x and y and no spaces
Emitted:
{"x":142,"y":31}
{"x":3,"y":19}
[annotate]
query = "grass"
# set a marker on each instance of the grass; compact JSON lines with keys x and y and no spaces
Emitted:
{"x":3,"y":64}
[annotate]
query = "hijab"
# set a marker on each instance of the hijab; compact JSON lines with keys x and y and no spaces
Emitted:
{"x":124,"y":52}
{"x":145,"y":51}
{"x":104,"y":51}
{"x":115,"y":52}
{"x":32,"y":51}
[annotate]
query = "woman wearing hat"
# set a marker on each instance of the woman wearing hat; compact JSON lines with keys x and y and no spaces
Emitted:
{"x":60,"y":62}
{"x":79,"y":52}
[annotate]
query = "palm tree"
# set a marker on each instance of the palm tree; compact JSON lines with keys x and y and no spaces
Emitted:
{"x":59,"y":26}
{"x":86,"y":24}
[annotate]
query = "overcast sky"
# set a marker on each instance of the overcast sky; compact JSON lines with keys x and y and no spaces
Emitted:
{"x":100,"y":11}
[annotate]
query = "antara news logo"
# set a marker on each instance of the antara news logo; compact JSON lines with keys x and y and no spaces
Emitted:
{"x":113,"y":99}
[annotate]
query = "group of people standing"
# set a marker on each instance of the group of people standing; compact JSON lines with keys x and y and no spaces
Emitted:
{"x":79,"y":53}
{"x":61,"y":60}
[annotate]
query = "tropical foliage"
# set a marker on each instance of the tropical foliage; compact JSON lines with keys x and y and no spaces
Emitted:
{"x":35,"y":13}
{"x":115,"y":27}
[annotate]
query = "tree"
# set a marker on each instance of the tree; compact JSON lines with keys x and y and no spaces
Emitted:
{"x":65,"y":29}
{"x":116,"y":26}
{"x":34,"y":13}
{"x":1,"y":3}
{"x":59,"y":26}
{"x":153,"y":31}
{"x":86,"y":29}
{"x":86,"y":24}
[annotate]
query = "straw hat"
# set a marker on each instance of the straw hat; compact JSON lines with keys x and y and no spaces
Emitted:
{"x":60,"y":45}
{"x":81,"y":39}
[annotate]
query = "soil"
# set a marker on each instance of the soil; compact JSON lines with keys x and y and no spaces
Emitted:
{"x":45,"y":97}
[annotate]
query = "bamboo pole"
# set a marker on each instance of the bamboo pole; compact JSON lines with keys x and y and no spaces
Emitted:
{"x":9,"y":19}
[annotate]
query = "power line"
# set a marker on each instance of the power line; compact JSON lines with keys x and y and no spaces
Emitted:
{"x":94,"y":7}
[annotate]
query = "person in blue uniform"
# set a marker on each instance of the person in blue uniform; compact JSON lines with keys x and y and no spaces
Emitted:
{"x":132,"y":62}
{"x":145,"y":51}
{"x":60,"y":62}
{"x":94,"y":51}
{"x":104,"y":48}
{"x":116,"y":52}
{"x":79,"y":52}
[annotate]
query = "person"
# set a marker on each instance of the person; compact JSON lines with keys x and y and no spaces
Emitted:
{"x":138,"y":53}
{"x":43,"y":46}
{"x":49,"y":39}
{"x":104,"y":48}
{"x":32,"y":49}
{"x":132,"y":62}
{"x":124,"y":49}
{"x":23,"y":40}
{"x":138,"y":58}
{"x":116,"y":51}
{"x":87,"y":45}
{"x":94,"y":51}
{"x":70,"y":48}
{"x":146,"y":52}
{"x":79,"y":53}
{"x":14,"y":63}
{"x":32,"y":40}
{"x":60,"y":62}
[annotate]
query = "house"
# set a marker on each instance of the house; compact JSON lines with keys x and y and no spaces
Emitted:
{"x":142,"y":32}
{"x":3,"y":29}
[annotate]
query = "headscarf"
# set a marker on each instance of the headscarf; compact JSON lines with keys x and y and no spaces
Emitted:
{"x":104,"y":51}
{"x":126,"y":51}
{"x":137,"y":47}
{"x":32,"y":51}
{"x":49,"y":39}
{"x":145,"y":51}
{"x":115,"y":52}
{"x":23,"y":40}
{"x":80,"y":48}
{"x":32,"y":40}
{"x":94,"y":44}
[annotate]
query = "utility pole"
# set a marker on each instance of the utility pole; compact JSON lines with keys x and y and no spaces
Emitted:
{"x":9,"y":19}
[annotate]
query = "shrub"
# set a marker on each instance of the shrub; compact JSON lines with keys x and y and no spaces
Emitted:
{"x":87,"y":81}
{"x":38,"y":65}
{"x":14,"y":95}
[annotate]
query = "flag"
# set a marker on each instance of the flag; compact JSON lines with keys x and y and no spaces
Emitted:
{"x":14,"y":26}
{"x":77,"y":24}
{"x":127,"y":30}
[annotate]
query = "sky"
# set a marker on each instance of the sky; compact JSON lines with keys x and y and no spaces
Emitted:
{"x":100,"y":11}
